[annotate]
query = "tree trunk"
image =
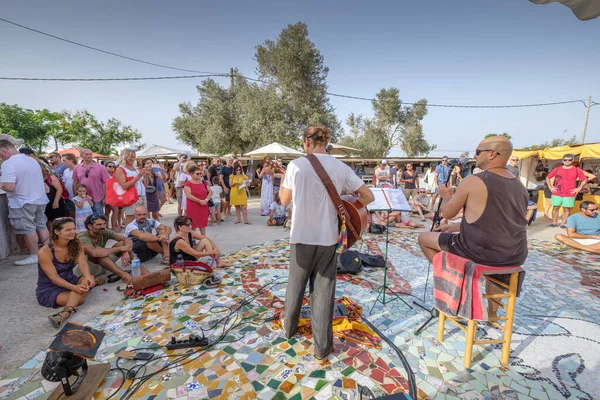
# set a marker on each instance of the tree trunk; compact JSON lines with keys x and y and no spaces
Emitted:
{"x":55,"y":144}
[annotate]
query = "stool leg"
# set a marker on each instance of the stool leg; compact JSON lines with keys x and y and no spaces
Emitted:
{"x":510,"y":316}
{"x":471,"y":330}
{"x":441,"y":322}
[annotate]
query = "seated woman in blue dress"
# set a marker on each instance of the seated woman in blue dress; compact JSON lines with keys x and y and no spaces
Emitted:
{"x":57,"y":284}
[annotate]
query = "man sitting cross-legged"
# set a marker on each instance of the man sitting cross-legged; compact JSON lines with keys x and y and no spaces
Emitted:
{"x":147,"y":245}
{"x":420,"y":203}
{"x":99,"y":256}
{"x":583,"y":229}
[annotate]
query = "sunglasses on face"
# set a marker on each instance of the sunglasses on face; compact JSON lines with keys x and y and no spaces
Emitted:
{"x":514,"y":159}
{"x":592,"y":209}
{"x":479,"y":151}
{"x":567,"y":159}
{"x":421,"y":191}
{"x":188,"y":224}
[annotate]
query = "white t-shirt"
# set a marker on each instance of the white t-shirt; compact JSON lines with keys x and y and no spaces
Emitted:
{"x":148,"y":227}
{"x":67,"y":178}
{"x":216,"y":193}
{"x":26,"y":174}
{"x":139,"y":185}
{"x":314,"y":220}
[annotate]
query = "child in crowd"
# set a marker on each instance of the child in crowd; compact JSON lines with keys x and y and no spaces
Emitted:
{"x":83,"y":207}
{"x":215,"y":210}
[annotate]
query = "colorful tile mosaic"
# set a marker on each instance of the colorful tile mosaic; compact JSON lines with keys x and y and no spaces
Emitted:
{"x":555,"y":349}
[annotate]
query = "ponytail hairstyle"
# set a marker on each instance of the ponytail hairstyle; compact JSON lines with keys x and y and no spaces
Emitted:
{"x":318,"y":135}
{"x":74,"y":244}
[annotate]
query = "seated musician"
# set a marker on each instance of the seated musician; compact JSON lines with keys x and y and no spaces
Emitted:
{"x":493,"y":230}
{"x":583,"y":229}
{"x":192,"y":245}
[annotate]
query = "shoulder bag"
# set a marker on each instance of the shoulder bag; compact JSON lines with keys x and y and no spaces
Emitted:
{"x":117,"y":196}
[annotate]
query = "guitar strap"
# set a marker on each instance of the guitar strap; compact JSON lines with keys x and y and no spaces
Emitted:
{"x":332,"y":191}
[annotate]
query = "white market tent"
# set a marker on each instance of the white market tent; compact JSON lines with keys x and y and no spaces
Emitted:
{"x":275,"y":149}
{"x":339,"y":150}
{"x":156,"y":150}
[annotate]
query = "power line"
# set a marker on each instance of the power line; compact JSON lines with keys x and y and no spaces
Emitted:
{"x":103,"y":51}
{"x":109,"y":79}
{"x":444,"y":105}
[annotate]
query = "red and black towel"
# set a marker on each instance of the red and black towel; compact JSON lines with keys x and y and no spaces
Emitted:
{"x":458,"y":285}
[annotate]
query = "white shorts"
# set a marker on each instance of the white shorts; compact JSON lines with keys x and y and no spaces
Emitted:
{"x":587,"y":242}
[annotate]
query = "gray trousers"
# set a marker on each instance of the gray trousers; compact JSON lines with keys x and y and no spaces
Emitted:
{"x":315,"y":265}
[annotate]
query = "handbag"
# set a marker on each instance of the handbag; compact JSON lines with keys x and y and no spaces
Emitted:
{"x":148,"y":279}
{"x":211,"y":203}
{"x":116,"y":196}
{"x":150,"y":189}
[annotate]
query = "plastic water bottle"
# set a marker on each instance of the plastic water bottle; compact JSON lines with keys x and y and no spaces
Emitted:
{"x":136,"y":269}
{"x":179,"y":261}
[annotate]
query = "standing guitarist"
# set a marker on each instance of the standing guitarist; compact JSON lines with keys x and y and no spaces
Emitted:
{"x":314,"y":236}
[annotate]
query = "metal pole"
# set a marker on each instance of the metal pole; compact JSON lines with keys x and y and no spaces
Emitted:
{"x":587,"y":116}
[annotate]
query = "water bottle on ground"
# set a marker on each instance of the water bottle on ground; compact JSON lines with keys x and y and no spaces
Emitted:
{"x":136,"y":269}
{"x":179,"y":261}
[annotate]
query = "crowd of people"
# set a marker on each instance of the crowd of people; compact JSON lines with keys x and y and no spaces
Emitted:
{"x":59,"y":213}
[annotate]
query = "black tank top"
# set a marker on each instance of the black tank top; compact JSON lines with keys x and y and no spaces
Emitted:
{"x":174,"y":253}
{"x":499,"y":236}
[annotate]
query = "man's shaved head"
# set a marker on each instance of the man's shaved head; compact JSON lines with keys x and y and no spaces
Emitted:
{"x":141,"y":214}
{"x":494,"y":152}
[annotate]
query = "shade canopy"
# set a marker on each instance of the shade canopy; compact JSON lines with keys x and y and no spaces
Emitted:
{"x":556,"y":153}
{"x":525,"y":153}
{"x":75,"y":152}
{"x":275,"y":149}
{"x":590,"y":151}
{"x":156,"y":150}
{"x":583,"y":9}
{"x":338,"y":149}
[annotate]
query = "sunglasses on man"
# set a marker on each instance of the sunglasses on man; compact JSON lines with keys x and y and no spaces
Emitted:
{"x":567,"y":159}
{"x":479,"y":151}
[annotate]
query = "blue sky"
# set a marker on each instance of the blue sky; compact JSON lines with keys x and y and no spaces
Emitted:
{"x":450,"y":52}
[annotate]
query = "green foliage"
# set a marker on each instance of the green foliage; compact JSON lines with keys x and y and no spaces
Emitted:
{"x":22,"y":123}
{"x":553,"y":143}
{"x":250,"y":115}
{"x":391,"y":125}
{"x":506,"y":135}
{"x":81,"y":128}
{"x":100,"y":137}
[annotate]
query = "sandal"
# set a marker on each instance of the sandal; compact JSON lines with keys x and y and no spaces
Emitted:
{"x":248,"y":223}
{"x":212,"y":281}
{"x":237,"y":222}
{"x":99,"y":281}
{"x":57,"y":319}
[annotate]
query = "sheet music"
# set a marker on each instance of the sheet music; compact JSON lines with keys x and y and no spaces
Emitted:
{"x":388,"y":199}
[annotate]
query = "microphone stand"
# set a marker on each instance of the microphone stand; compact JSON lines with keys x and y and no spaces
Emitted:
{"x":437,"y":218}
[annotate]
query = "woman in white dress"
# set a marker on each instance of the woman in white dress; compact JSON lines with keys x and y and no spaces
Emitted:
{"x":429,"y":178}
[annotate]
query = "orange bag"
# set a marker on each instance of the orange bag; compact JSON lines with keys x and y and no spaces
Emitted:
{"x":116,"y":196}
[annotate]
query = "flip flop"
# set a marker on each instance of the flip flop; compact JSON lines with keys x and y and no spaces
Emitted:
{"x":563,"y":227}
{"x":248,"y":223}
{"x":237,"y":222}
{"x":212,"y":281}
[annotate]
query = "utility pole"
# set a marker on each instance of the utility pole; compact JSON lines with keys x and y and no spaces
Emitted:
{"x":587,"y":116}
{"x":231,"y":78}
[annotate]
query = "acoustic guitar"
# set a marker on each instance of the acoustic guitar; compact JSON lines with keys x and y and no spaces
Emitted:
{"x":273,"y":165}
{"x":357,"y":218}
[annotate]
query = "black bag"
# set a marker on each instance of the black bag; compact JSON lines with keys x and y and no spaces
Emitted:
{"x":349,"y":263}
{"x":151,"y":188}
{"x":211,"y":203}
{"x":370,"y":260}
{"x":376,"y":228}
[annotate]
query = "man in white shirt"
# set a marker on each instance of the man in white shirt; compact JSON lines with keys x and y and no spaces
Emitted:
{"x":382,"y":174}
{"x":314,"y":235}
{"x":23,"y":182}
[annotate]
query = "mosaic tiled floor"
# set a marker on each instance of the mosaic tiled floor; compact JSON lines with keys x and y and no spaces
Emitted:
{"x":555,"y":350}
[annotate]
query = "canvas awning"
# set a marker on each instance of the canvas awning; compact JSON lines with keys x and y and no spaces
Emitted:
{"x":590,"y":151}
{"x":338,"y":149}
{"x":75,"y":152}
{"x":556,"y":153}
{"x":156,"y":150}
{"x":583,"y":9}
{"x":275,"y":149}
{"x":525,"y":153}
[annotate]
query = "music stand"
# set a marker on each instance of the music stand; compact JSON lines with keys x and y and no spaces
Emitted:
{"x":388,"y":200}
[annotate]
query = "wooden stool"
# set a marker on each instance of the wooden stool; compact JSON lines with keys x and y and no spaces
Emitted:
{"x":471,"y":330}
